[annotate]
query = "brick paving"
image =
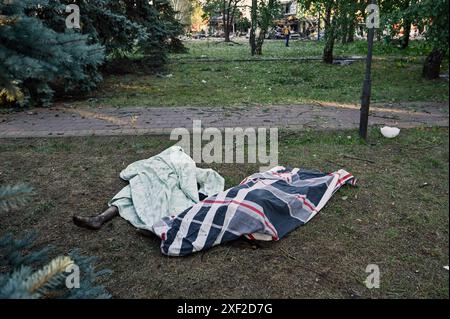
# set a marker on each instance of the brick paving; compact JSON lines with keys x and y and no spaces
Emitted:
{"x":65,"y":121}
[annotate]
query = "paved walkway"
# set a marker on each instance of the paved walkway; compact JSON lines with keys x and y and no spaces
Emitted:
{"x":64,"y":121}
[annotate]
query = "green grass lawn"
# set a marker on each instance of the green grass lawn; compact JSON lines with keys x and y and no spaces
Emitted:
{"x":214,"y":49}
{"x":390,"y":219}
{"x":396,"y":78}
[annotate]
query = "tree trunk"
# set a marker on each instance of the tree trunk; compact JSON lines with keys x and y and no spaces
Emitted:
{"x":366,"y":92}
{"x":432,"y":65}
{"x":318,"y":27}
{"x":329,"y":37}
{"x":367,"y":85}
{"x":262,"y":25}
{"x":259,"y":43}
{"x":406,"y":31}
{"x":328,"y":51}
{"x":226,"y":30}
{"x":379,"y":34}
{"x":344,"y":31}
{"x":227,"y":34}
{"x":404,"y":41}
{"x":225,"y":17}
{"x":254,"y":23}
{"x":351,"y":33}
{"x":344,"y":36}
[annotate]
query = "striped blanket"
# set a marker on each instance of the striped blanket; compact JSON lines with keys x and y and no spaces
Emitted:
{"x":265,"y":206}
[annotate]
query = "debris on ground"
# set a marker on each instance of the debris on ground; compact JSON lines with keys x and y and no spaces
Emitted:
{"x":390,"y":132}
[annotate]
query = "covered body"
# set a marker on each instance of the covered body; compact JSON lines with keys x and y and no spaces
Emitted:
{"x":265,"y":206}
{"x":163,"y":185}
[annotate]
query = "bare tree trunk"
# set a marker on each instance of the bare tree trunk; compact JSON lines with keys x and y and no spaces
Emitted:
{"x":406,"y":32}
{"x":233,"y":12}
{"x":229,"y":9}
{"x":344,"y":31}
{"x":432,"y":65}
{"x":329,"y":36}
{"x":254,"y":24}
{"x":259,"y":42}
{"x":225,"y":17}
{"x":367,"y":85}
{"x":379,"y":34}
{"x":404,"y":41}
{"x":328,"y":51}
{"x":227,"y":34}
{"x":266,"y":17}
{"x":351,"y":32}
{"x":318,"y":27}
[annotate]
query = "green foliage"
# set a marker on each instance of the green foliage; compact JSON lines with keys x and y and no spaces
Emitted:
{"x":340,"y":17}
{"x":432,"y":16}
{"x":268,"y":11}
{"x":122,"y":27}
{"x":263,"y":14}
{"x":27,"y":275}
{"x":40,"y":57}
{"x":227,"y":10}
{"x":104,"y":21}
{"x":243,"y":24}
{"x":13,"y":197}
{"x":35,"y":59}
{"x":431,"y":19}
{"x":168,"y":40}
{"x":212,"y":8}
{"x":183,"y":11}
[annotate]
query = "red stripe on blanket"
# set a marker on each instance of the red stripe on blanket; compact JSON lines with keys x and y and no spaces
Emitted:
{"x":246,"y":206}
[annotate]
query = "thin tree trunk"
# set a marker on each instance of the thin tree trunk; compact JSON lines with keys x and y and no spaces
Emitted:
{"x":254,"y":24}
{"x":344,"y":31}
{"x":432,"y":65}
{"x":367,"y":86}
{"x":328,"y":51}
{"x":259,"y":42}
{"x":379,"y":34}
{"x":351,"y":32}
{"x":231,"y":20}
{"x":329,"y":37}
{"x":318,"y":27}
{"x":404,"y":41}
{"x":227,"y":35}
{"x":225,"y":18}
{"x":266,"y":21}
{"x":406,"y":32}
{"x":226,"y":29}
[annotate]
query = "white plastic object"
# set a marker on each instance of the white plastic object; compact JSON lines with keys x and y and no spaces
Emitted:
{"x":390,"y":132}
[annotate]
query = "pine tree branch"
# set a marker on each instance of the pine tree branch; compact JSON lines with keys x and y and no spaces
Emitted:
{"x":38,"y":280}
{"x":13,"y":197}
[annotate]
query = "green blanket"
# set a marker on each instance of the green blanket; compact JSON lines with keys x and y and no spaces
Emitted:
{"x":163,"y":185}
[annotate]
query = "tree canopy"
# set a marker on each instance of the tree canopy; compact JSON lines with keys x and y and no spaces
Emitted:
{"x":39,"y":55}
